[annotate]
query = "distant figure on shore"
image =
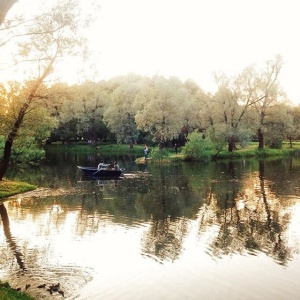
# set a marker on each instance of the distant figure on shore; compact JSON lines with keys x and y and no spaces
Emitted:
{"x":146,"y":151}
{"x":175,"y":148}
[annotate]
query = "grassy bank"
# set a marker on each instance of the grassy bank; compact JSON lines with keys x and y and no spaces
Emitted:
{"x":105,"y":149}
{"x":7,"y":293}
{"x":10,"y":188}
{"x":252,"y":151}
{"x":124,"y":149}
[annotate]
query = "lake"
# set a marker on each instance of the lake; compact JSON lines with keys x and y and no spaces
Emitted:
{"x":221,"y":230}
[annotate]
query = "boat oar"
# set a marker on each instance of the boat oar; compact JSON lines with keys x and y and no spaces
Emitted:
{"x":96,"y":172}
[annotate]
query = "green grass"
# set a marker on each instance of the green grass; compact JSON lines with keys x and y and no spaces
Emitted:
{"x":252,"y":151}
{"x":7,"y":293}
{"x":10,"y":188}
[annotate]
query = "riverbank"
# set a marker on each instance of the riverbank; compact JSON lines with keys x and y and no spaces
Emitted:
{"x":7,"y":293}
{"x":251,"y":151}
{"x":170,"y":155}
{"x":9,"y":188}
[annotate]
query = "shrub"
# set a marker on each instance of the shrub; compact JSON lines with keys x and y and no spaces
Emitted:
{"x":197,"y":148}
{"x":159,"y":154}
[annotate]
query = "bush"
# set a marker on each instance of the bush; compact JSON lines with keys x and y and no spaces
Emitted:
{"x":159,"y":154}
{"x":274,"y":142}
{"x":27,"y":150}
{"x":197,"y":148}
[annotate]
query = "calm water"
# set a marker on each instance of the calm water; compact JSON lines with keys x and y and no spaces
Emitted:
{"x":226,"y":230}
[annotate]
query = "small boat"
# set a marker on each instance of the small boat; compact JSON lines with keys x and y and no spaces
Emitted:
{"x":104,"y":173}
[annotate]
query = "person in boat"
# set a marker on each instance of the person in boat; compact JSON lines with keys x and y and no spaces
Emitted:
{"x":102,"y":165}
{"x":116,"y":166}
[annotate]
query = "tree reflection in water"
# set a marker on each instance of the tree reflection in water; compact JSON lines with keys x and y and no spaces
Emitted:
{"x":250,"y":219}
{"x":12,"y":244}
{"x":230,"y":208}
{"x":248,"y":222}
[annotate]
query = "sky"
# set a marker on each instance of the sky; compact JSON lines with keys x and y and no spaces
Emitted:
{"x":192,"y":39}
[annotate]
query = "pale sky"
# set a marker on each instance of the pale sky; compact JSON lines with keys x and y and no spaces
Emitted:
{"x":194,"y":38}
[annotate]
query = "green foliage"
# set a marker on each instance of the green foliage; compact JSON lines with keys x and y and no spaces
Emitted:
{"x":217,"y":135}
{"x":7,"y":293}
{"x":1,"y":143}
{"x":274,"y":142}
{"x":65,"y":131}
{"x":197,"y":148}
{"x":158,"y":154}
{"x":275,"y":136}
{"x":158,"y":112}
{"x":27,"y":150}
{"x":244,"y":137}
{"x":126,"y":132}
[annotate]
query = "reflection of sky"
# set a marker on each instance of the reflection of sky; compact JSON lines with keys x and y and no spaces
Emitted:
{"x":293,"y":232}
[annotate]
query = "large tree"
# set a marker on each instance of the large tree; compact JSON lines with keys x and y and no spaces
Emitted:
{"x":161,"y":108}
{"x":120,"y":113}
{"x":229,"y":113}
{"x":237,"y":99}
{"x":267,"y":93}
{"x":47,"y":41}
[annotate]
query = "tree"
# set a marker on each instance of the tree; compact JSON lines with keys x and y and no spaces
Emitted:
{"x":161,"y":108}
{"x":198,"y":111}
{"x":229,"y":113}
{"x":267,"y":92}
{"x":293,"y":127}
{"x":236,"y":98}
{"x":48,"y":40}
{"x":278,"y":124}
{"x":120,"y":113}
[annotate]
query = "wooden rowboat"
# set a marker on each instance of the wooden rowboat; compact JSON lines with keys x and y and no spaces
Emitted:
{"x":94,"y":172}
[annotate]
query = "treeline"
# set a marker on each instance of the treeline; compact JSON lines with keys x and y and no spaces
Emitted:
{"x":136,"y":109}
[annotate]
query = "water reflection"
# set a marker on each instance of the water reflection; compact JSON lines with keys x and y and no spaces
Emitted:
{"x":12,"y":244}
{"x":242,"y":208}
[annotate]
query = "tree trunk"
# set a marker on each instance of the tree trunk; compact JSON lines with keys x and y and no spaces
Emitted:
{"x":5,"y":159}
{"x":14,"y":132}
{"x":260,"y":139}
{"x":9,"y":141}
{"x":290,"y":140}
{"x":231,"y":145}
